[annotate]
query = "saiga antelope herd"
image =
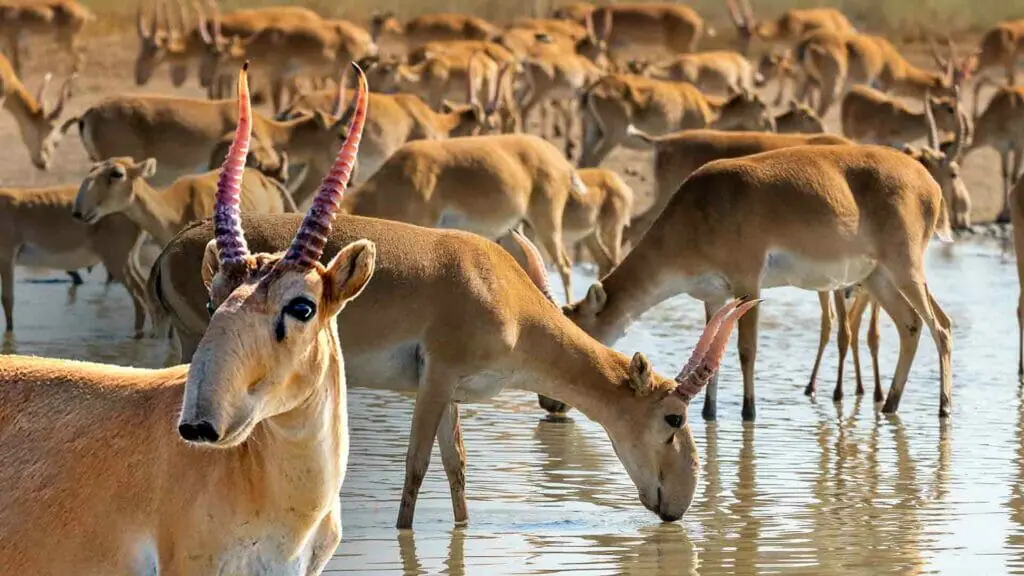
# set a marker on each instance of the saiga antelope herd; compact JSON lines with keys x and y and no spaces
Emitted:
{"x":443,"y":142}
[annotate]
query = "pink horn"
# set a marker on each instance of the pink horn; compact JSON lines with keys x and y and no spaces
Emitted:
{"x":311,"y":238}
{"x":534,"y":264}
{"x":227,"y":223}
{"x":706,"y":337}
{"x":691,"y":383}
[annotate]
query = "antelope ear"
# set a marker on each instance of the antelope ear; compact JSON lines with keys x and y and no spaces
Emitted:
{"x":148,"y":168}
{"x":211,"y":264}
{"x":347,"y":274}
{"x":595,"y":300}
{"x":911,"y":151}
{"x":641,"y":377}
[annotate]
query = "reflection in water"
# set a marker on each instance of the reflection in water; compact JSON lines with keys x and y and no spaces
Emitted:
{"x":812,"y":487}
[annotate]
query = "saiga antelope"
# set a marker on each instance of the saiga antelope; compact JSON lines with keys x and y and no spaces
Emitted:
{"x":647,"y":26}
{"x":999,"y":48}
{"x":872,"y":117}
{"x":266,"y":384}
{"x":819,"y":218}
{"x":799,"y":118}
{"x":717,"y":71}
{"x":600,"y":217}
{"x":1001,"y":126}
{"x":63,"y":18}
{"x":481,"y":184}
{"x":118,"y":185}
{"x":792,"y":25}
{"x":556,"y":77}
{"x":453,"y":317}
{"x":386,"y":29}
{"x":36,"y":228}
{"x":620,"y":100}
{"x":37,"y":126}
{"x":679,"y":154}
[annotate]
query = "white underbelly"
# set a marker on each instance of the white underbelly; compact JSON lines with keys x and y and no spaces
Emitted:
{"x":33,"y":256}
{"x":787,"y":269}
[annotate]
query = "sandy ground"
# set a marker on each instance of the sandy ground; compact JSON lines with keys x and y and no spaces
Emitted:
{"x":109,"y":71}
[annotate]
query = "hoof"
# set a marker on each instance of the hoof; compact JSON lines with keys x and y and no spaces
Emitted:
{"x":890,"y":406}
{"x":837,"y":395}
{"x":749,"y":412}
{"x":810,"y":390}
{"x":710,"y":412}
{"x":553,"y":406}
{"x":879,"y":397}
{"x":860,"y":390}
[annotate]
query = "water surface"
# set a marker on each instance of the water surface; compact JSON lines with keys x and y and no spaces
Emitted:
{"x":812,"y":487}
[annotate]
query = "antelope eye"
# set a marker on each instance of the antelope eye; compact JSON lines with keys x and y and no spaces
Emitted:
{"x":209,"y":307}
{"x":117,"y":173}
{"x":674,"y":420}
{"x":301,"y":308}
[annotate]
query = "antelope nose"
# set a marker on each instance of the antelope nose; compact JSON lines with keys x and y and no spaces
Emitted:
{"x":201,"y":431}
{"x":76,"y":215}
{"x":668,"y":517}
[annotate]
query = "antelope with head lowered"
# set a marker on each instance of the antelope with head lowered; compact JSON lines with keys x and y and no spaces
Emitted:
{"x":267,"y":383}
{"x":819,"y":218}
{"x":619,"y":100}
{"x":454,"y":318}
{"x":37,"y":126}
{"x":65,"y":19}
{"x":717,"y":71}
{"x":790,"y":26}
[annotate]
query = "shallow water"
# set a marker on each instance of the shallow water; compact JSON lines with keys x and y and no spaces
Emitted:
{"x":811,"y":487}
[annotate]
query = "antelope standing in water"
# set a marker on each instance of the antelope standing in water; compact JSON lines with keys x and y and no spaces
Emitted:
{"x":266,"y":384}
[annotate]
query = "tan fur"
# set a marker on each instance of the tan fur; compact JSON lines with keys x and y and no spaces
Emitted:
{"x":663,"y":27}
{"x":599,"y":217}
{"x":483,"y":184}
{"x":575,"y":11}
{"x":872,"y":117}
{"x":40,"y":220}
{"x":168,"y":506}
{"x":831,"y":205}
{"x":37,"y":125}
{"x":182,"y":133}
{"x":790,"y":26}
{"x":718,"y":72}
{"x":679,"y":154}
{"x":452,"y":316}
{"x":658,"y":107}
{"x":557,"y":77}
{"x":799,"y":118}
{"x":1001,"y":126}
{"x":118,"y":185}
{"x":63,"y":18}
{"x":395,"y":36}
{"x":999,"y":49}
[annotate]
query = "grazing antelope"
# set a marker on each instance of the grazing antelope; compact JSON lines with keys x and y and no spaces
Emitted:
{"x":799,"y":118}
{"x":719,"y":71}
{"x":647,"y":26}
{"x":1001,"y":126}
{"x":64,"y":18}
{"x":159,"y":44}
{"x":558,"y":77}
{"x":815,"y":217}
{"x":267,"y":383}
{"x":792,"y":25}
{"x":36,"y":229}
{"x":37,"y":126}
{"x":872,"y":117}
{"x":679,"y":154}
{"x":620,"y":100}
{"x":386,"y":29}
{"x":481,"y":184}
{"x":599,"y":217}
{"x":182,"y":133}
{"x":118,"y":185}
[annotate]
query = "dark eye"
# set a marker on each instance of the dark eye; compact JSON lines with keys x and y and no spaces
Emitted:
{"x":116,"y":174}
{"x":209,"y":307}
{"x":674,"y":420}
{"x":301,"y":308}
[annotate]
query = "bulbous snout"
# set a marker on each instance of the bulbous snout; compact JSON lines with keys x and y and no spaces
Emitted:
{"x":664,"y":508}
{"x":200,"y":432}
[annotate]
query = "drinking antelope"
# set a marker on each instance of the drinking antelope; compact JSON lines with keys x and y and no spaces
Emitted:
{"x":36,"y":228}
{"x":482,"y":184}
{"x":816,"y":217}
{"x":453,"y":317}
{"x":619,"y":100}
{"x":37,"y":126}
{"x":266,"y":384}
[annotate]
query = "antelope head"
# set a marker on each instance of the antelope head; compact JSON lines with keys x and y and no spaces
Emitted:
{"x":745,"y":111}
{"x":955,"y":70}
{"x":39,"y":128}
{"x":942,"y":160}
{"x":216,"y":45}
{"x":651,"y":434}
{"x":742,"y":15}
{"x":159,"y":43}
{"x":110,"y":187}
{"x":272,"y":333}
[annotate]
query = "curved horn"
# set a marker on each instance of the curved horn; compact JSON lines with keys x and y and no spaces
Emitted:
{"x":227,"y":223}
{"x":933,"y":130}
{"x":706,"y":337}
{"x":145,"y":32}
{"x":43,"y":87}
{"x":960,"y":129}
{"x":337,"y":107}
{"x":534,"y":264}
{"x":202,"y":24}
{"x":691,"y":382}
{"x":309,"y":241}
{"x":471,"y":79}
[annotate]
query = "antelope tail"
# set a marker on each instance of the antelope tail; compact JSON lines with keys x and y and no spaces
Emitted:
{"x":943,"y":228}
{"x":638,"y":135}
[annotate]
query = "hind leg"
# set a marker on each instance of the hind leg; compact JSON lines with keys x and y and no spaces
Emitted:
{"x":453,"y":458}
{"x":873,"y":342}
{"x":710,"y":410}
{"x":7,"y":290}
{"x":843,"y":341}
{"x":823,"y":337}
{"x":547,"y":222}
{"x":76,"y":278}
{"x":856,"y":315}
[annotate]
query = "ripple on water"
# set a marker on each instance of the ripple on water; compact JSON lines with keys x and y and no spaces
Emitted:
{"x":811,"y":488}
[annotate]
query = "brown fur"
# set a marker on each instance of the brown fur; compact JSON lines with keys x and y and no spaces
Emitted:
{"x":872,"y":117}
{"x":645,"y":26}
{"x":1001,"y":126}
{"x":37,"y":125}
{"x":63,"y":18}
{"x":599,"y":217}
